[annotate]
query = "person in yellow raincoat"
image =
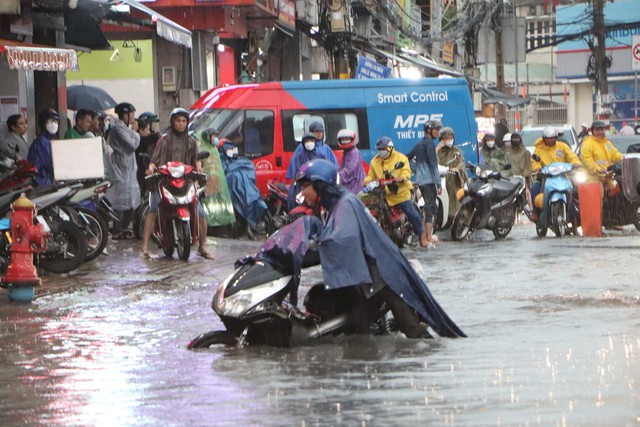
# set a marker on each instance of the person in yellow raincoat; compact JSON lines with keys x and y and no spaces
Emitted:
{"x":217,"y":202}
{"x":451,"y":156}
{"x":549,"y":150}
{"x":598,"y":153}
{"x":398,"y":193}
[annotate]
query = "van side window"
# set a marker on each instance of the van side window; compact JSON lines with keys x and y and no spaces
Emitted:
{"x":256,"y":136}
{"x":296,"y":124}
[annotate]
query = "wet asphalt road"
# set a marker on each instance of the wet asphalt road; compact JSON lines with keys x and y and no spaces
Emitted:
{"x":552,"y":327}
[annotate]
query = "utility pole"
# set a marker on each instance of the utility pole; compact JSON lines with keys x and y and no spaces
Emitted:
{"x":600,"y":57}
{"x":500,"y":110}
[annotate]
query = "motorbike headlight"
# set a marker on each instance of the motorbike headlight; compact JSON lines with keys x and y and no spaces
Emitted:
{"x":242,"y":301}
{"x":580,"y":177}
{"x":176,"y":171}
{"x":484,"y":190}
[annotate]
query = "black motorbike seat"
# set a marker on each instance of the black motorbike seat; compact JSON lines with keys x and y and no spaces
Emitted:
{"x":506,"y":187}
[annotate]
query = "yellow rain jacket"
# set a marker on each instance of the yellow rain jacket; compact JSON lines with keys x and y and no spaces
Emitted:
{"x":376,"y":171}
{"x":597,"y":155}
{"x":559,"y":152}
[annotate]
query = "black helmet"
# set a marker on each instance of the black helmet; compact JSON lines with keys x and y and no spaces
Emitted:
{"x":383,"y":142}
{"x":148,"y":117}
{"x":179,"y":111}
{"x":47,"y":114}
{"x":598,"y":124}
{"x":123,"y":108}
{"x":432,"y":124}
{"x":318,"y":170}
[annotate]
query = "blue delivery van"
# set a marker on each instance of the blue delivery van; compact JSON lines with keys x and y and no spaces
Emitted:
{"x":267,"y":120}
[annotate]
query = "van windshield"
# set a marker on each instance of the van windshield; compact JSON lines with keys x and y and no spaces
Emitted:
{"x":249,"y":130}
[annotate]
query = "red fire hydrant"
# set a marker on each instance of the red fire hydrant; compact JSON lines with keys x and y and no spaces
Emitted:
{"x":27,"y":239}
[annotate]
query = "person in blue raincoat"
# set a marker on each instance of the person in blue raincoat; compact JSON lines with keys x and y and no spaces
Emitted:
{"x":241,"y":179}
{"x":40,"y":150}
{"x":355,"y":252}
{"x":310,"y":151}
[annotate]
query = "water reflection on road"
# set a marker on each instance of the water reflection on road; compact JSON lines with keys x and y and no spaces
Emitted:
{"x":552,"y":341}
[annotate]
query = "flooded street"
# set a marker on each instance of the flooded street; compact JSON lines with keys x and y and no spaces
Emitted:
{"x":553,"y":328}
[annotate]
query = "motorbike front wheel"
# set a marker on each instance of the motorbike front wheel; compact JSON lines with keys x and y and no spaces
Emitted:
{"x":183,"y":237}
{"x":558,"y":218}
{"x":96,"y":232}
{"x":209,"y":339}
{"x":461,"y":226}
{"x":66,"y":250}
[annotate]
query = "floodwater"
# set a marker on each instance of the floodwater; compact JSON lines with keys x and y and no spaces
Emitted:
{"x":553,"y":329}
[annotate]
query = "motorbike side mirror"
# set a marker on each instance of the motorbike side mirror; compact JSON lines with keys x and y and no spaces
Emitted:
{"x":203,"y":155}
{"x":536,"y":158}
{"x":399,"y":165}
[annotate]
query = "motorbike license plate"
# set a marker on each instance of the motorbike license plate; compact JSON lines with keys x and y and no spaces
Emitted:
{"x":42,"y":221}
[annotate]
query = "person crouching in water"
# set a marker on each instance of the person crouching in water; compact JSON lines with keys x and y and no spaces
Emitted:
{"x":356,"y":254}
{"x":351,"y":170}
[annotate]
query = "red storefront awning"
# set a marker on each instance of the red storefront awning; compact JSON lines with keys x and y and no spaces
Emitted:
{"x":33,"y":57}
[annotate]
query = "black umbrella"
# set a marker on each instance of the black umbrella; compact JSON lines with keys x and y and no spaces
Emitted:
{"x":89,"y":98}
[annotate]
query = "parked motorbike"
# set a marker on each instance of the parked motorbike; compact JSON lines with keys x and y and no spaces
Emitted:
{"x":557,"y":200}
{"x":392,"y":219}
{"x":488,"y":201}
{"x":618,"y":210}
{"x":67,"y":248}
{"x":277,"y":203}
{"x":180,"y":187}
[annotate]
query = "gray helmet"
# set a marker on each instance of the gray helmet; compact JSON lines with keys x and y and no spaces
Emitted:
{"x":446,"y":132}
{"x":598,"y":124}
{"x":316,"y":126}
{"x":550,"y":132}
{"x":179,"y":111}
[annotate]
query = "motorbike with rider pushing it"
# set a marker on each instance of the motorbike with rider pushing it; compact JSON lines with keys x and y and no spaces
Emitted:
{"x":257,"y":303}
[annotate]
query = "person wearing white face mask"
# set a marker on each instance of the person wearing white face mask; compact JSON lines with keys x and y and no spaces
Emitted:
{"x":451,"y":156}
{"x":40,"y":149}
{"x":309,"y":152}
{"x":494,"y":157}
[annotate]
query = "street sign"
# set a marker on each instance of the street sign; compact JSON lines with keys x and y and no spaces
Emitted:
{"x":635,"y":53}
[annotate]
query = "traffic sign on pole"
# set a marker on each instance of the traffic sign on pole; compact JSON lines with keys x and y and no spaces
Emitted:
{"x":635,"y":53}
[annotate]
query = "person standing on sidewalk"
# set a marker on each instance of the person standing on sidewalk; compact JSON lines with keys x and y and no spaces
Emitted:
{"x":124,"y":193}
{"x":427,"y":176}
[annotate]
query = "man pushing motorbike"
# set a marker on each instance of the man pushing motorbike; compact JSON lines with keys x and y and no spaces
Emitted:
{"x":355,"y":252}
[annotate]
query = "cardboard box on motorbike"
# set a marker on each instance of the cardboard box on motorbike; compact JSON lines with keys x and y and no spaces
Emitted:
{"x":267,"y":120}
{"x":77,"y":159}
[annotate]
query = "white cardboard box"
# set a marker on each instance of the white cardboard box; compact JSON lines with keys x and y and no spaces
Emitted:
{"x":75,"y":159}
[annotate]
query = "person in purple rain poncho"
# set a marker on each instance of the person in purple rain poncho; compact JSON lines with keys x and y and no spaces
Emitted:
{"x":351,"y":170}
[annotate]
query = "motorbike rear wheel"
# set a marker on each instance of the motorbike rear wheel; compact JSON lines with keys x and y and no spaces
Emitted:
{"x":558,"y":217}
{"x":183,"y":238}
{"x":209,"y":339}
{"x":461,"y":226}
{"x":66,"y":249}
